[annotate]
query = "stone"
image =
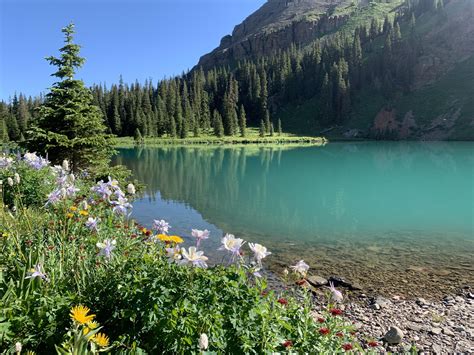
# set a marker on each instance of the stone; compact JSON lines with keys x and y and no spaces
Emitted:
{"x":448,"y":331}
{"x":436,"y":331}
{"x":470,"y":295}
{"x":436,"y":349}
{"x":317,"y":281}
{"x":382,"y":301}
{"x":393,"y":336}
{"x":421,"y":302}
{"x":375,"y":306}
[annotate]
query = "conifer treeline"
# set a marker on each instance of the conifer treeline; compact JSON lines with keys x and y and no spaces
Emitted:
{"x":225,"y":100}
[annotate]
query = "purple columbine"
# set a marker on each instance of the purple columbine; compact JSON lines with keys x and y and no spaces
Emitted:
{"x":121,"y":206}
{"x":91,"y":223}
{"x":36,"y":271}
{"x":102,"y":189}
{"x":200,"y":235}
{"x":106,"y":247}
{"x":161,"y":226}
{"x":55,"y":196}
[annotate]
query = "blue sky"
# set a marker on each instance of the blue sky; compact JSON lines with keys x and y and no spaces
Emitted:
{"x":139,"y":39}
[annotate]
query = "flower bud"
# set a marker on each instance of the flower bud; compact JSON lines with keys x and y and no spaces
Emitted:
{"x":16,"y":177}
{"x":10,"y":181}
{"x":65,"y":165}
{"x":203,"y":341}
{"x":285,"y":272}
{"x":18,"y":347}
{"x":131,"y":189}
{"x":72,"y":178}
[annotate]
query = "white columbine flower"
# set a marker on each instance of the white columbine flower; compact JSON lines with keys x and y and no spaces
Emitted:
{"x":173,"y":254}
{"x":231,"y":244}
{"x":336,"y":294}
{"x":196,"y":258}
{"x":301,"y":267}
{"x":131,"y":189}
{"x":200,"y":235}
{"x":203,"y":341}
{"x":259,"y":251}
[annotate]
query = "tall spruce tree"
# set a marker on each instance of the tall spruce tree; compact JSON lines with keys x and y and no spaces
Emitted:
{"x":70,"y":126}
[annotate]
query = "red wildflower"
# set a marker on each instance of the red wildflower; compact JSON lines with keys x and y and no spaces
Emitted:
{"x":336,"y":312}
{"x":287,"y":344}
{"x":347,"y":347}
{"x":301,"y":282}
{"x":321,"y":320}
{"x":373,"y":344}
{"x":282,"y":301}
{"x":339,"y":334}
{"x":133,"y":236}
{"x":148,"y":233}
{"x":264,"y":293}
{"x":324,"y":331}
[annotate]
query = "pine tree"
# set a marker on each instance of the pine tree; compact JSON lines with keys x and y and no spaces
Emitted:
{"x":262,"y":129}
{"x":272,"y":130}
{"x":138,"y":136}
{"x":242,"y":122}
{"x":267,"y":122}
{"x":218,"y":125}
{"x":70,"y":126}
{"x":280,"y":131}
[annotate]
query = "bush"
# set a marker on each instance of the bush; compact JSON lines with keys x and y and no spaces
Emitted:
{"x":81,"y":249}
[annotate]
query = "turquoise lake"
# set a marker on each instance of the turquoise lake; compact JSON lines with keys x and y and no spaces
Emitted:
{"x":392,"y":216}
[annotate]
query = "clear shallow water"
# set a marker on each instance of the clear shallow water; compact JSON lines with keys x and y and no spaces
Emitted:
{"x":355,"y":209}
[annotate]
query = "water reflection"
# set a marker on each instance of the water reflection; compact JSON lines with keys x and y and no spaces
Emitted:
{"x":342,"y":190}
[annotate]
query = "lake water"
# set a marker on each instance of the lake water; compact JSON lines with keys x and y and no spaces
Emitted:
{"x":397,"y":218}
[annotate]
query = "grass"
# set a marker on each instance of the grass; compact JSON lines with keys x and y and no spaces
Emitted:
{"x":252,"y":138}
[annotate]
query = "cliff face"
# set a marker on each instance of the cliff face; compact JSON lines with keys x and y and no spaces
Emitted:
{"x":277,"y":25}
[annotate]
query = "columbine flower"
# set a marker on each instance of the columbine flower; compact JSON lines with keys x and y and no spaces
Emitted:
{"x":37,"y":272}
{"x":71,"y":190}
{"x":102,"y":189}
{"x":121,"y":206}
{"x":91,"y":223}
{"x":300,"y":267}
{"x":336,"y":294}
{"x":101,"y":339}
{"x":10,"y":181}
{"x":16,"y":178}
{"x":106,"y":247}
{"x":203,"y":342}
{"x":161,"y":226}
{"x":232,"y":244}
{"x":131,"y":189}
{"x":200,"y":235}
{"x":196,"y":258}
{"x":5,"y":162}
{"x":260,"y":252}
{"x":35,"y":161}
{"x":173,"y":254}
{"x":80,"y":314}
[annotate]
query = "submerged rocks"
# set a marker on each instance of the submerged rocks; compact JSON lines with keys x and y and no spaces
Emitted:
{"x":393,"y":336}
{"x":317,"y":281}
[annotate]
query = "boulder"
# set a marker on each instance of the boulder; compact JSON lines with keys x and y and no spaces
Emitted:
{"x":317,"y":281}
{"x":393,"y":336}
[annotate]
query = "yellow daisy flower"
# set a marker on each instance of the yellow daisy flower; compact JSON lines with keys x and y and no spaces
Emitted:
{"x":163,"y":237}
{"x":73,"y":208}
{"x":83,"y":213}
{"x":101,"y":339}
{"x":176,"y":239}
{"x":69,"y":215}
{"x":85,"y":330}
{"x":81,"y":314}
{"x":93,"y":324}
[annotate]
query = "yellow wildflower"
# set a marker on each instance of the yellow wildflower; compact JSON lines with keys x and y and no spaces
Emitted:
{"x":83,"y":213}
{"x":93,"y":324}
{"x":73,"y":208}
{"x":85,"y":330}
{"x":144,"y":230}
{"x":176,"y":239}
{"x":69,"y":215}
{"x":81,"y":314}
{"x":163,"y":238}
{"x":101,"y":339}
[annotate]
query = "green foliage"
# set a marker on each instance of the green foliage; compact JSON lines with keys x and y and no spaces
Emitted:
{"x":70,"y":126}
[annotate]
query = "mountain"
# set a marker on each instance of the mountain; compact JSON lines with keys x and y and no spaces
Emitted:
{"x":436,"y":102}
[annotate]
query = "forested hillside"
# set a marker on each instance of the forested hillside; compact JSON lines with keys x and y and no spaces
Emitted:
{"x":346,"y":69}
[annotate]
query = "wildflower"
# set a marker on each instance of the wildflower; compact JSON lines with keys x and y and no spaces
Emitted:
{"x":200,"y":235}
{"x":161,"y":226}
{"x":16,"y":178}
{"x":69,"y":215}
{"x":35,"y":161}
{"x":55,"y":196}
{"x":91,"y":223}
{"x":287,"y":344}
{"x":324,"y":331}
{"x":106,"y":247}
{"x":232,"y":244}
{"x":83,"y":213}
{"x":336,"y":312}
{"x":347,"y":346}
{"x":264,"y":293}
{"x":176,"y":239}
{"x":71,"y":190}
{"x":121,"y":206}
{"x":101,"y":339}
{"x":173,"y":254}
{"x":73,"y":208}
{"x":5,"y":162}
{"x":37,"y":272}
{"x":131,"y":189}
{"x":10,"y":181}
{"x":301,"y":267}
{"x":196,"y":258}
{"x":260,"y":252}
{"x":92,"y":324}
{"x":301,"y":282}
{"x":84,"y":205}
{"x":18,"y":347}
{"x":80,"y":314}
{"x":102,"y":189}
{"x":321,"y":320}
{"x":336,"y":294}
{"x":373,"y":344}
{"x":285,"y":272}
{"x":339,"y":334}
{"x":282,"y":301}
{"x":203,"y":341}
{"x":65,"y":165}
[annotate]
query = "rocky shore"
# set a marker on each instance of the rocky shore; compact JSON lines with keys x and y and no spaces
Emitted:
{"x":400,"y":324}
